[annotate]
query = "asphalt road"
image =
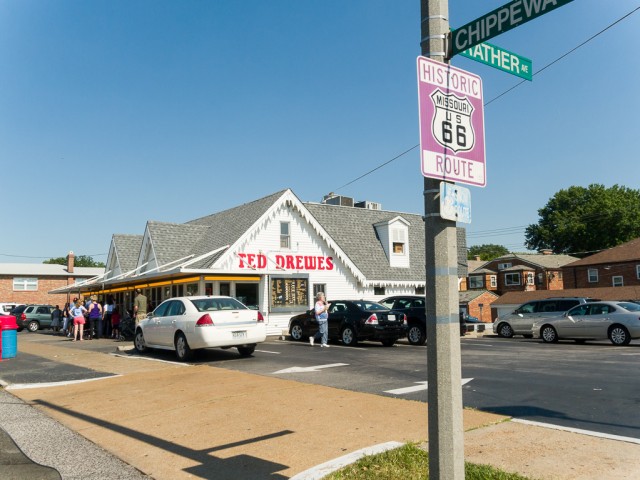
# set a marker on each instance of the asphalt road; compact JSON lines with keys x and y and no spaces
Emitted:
{"x":592,"y":386}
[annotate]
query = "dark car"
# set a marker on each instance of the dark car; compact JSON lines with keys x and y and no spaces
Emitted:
{"x":413,"y":307}
{"x":32,"y":317}
{"x":353,"y":320}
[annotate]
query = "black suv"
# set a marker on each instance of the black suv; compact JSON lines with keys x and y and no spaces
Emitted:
{"x":353,"y":320}
{"x":33,"y":317}
{"x":413,"y":307}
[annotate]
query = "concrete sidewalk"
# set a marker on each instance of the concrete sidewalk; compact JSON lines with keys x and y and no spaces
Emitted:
{"x":174,"y":421}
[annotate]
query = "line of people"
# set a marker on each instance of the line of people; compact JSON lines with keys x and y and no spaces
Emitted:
{"x":103,"y":321}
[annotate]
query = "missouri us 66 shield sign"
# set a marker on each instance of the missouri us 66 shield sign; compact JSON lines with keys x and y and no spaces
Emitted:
{"x":451,"y":123}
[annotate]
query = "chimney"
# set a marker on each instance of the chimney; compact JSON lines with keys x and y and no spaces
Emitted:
{"x":477,"y":258}
{"x":71,"y":259}
{"x":546,"y":251}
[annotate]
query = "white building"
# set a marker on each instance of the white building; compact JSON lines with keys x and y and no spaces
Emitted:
{"x":274,"y":254}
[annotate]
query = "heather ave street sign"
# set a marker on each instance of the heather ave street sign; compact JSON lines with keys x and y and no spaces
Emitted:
{"x":501,"y":59}
{"x":451,"y":123}
{"x":500,"y":20}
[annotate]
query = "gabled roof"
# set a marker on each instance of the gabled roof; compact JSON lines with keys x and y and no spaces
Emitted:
{"x":627,"y":252}
{"x":172,"y":241}
{"x":127,"y":250}
{"x":549,"y":262}
{"x":467,"y":296}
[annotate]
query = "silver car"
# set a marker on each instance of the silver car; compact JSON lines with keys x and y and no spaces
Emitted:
{"x":617,"y":321}
{"x":520,"y":321}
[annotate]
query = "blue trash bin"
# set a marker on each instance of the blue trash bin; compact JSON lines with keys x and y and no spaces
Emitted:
{"x":9,"y":329}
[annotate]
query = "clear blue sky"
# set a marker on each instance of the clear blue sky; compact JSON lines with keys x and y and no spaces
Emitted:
{"x":117,"y":112}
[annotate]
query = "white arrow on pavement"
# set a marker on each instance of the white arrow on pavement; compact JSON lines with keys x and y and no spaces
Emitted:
{"x":310,"y":369}
{"x":417,"y":388}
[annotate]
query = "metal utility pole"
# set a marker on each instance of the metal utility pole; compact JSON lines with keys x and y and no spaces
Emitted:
{"x":446,"y":434}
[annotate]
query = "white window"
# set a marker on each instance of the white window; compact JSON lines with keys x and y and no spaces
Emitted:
{"x":22,"y":284}
{"x":476,"y":281}
{"x":512,"y":279}
{"x":529,"y":278}
{"x":502,"y":266}
{"x":398,"y":241}
{"x":379,"y":290}
{"x":285,"y":237}
{"x":493,"y":279}
{"x":592,"y":275}
{"x":618,"y":281}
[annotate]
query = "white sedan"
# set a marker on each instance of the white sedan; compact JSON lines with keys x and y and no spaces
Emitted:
{"x":617,"y":321}
{"x":185,"y":324}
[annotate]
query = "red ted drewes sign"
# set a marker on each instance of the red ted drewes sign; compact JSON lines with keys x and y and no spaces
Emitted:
{"x":451,"y":123}
{"x":258,"y":261}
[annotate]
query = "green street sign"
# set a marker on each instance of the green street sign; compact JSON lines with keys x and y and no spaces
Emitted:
{"x":500,"y":20}
{"x":501,"y":59}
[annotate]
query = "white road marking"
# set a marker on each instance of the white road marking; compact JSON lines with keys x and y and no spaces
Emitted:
{"x":578,"y":430}
{"x":151,"y":359}
{"x":417,"y":388}
{"x":268,"y":351}
{"x":24,"y":386}
{"x":310,"y":369}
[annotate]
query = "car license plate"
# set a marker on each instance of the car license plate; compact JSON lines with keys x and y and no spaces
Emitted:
{"x":239,"y":334}
{"x":392,"y":318}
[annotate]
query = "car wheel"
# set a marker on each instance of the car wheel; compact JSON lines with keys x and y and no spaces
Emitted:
{"x":548,"y":334}
{"x":348,"y":337}
{"x":296,"y":331}
{"x":183,"y":351}
{"x":33,"y":326}
{"x":416,"y":335}
{"x":246,"y":351}
{"x":505,"y":330}
{"x":619,"y":335}
{"x":138,"y":342}
{"x":388,"y":342}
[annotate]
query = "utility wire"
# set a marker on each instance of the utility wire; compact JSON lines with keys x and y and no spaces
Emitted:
{"x":503,"y":93}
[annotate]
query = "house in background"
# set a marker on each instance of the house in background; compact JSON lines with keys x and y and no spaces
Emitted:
{"x":520,"y":272}
{"x":477,"y":303}
{"x":615,"y":267}
{"x":25,"y":283}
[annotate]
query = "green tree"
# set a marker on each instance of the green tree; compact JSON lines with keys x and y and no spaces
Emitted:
{"x":80,"y":261}
{"x":486,"y":252}
{"x":579,"y":221}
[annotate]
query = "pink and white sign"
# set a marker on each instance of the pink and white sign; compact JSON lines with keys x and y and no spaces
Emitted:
{"x":451,"y":123}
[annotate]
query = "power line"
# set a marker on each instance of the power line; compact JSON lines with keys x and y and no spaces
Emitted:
{"x":505,"y":92}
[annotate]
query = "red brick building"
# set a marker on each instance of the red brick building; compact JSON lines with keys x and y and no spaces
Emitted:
{"x":25,"y":283}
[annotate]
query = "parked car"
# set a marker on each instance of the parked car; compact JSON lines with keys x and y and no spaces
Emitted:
{"x":186,"y":324}
{"x":33,"y":317}
{"x":520,"y":321}
{"x":5,"y":308}
{"x":413,"y":306}
{"x":617,"y":321}
{"x":352,"y":321}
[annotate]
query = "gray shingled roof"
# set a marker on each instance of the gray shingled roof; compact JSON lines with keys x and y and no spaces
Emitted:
{"x":127,"y":250}
{"x":172,"y":241}
{"x":539,"y":259}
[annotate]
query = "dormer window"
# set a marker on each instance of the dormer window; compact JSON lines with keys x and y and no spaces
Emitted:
{"x":398,"y":241}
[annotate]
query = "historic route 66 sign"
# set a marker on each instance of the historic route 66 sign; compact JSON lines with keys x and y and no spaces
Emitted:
{"x":452,"y":126}
{"x":451,"y":123}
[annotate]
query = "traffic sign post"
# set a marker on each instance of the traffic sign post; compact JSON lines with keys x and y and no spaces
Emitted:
{"x":501,"y":59}
{"x":500,"y":20}
{"x":451,"y":123}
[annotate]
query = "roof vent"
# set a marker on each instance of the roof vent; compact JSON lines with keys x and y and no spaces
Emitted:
{"x":333,"y":199}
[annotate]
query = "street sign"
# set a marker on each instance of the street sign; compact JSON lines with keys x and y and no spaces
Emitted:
{"x":451,"y":123}
{"x":501,"y":59}
{"x":455,"y":202}
{"x":500,"y":20}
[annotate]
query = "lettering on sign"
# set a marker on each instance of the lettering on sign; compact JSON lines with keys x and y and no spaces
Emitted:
{"x":500,"y":20}
{"x":452,"y":122}
{"x":260,"y":261}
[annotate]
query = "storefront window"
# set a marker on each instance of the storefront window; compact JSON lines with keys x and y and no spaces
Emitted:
{"x":247,"y":293}
{"x":289,"y":294}
{"x":191,"y":289}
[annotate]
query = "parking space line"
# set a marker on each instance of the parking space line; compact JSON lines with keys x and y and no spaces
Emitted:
{"x":25,"y":386}
{"x":135,"y":357}
{"x":578,"y":430}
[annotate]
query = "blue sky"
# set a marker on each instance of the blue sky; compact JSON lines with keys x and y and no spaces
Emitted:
{"x":114,"y":112}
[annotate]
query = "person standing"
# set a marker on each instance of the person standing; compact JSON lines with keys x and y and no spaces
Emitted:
{"x":67,"y":320}
{"x":77,"y":312}
{"x":139,"y":306}
{"x":56,"y":318}
{"x":106,"y":316}
{"x":115,"y":323}
{"x":95,"y":318}
{"x":322,"y":317}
